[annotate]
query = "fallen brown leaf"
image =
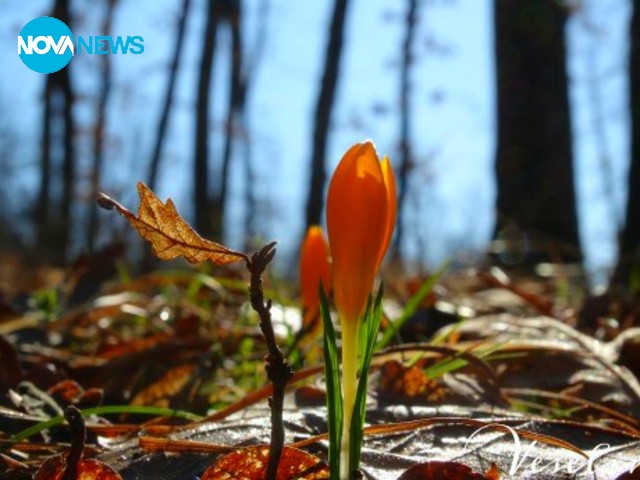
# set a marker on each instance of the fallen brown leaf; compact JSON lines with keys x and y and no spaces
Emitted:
{"x":169,"y":234}
{"x":441,"y":471}
{"x":251,"y":464}
{"x":54,"y":468}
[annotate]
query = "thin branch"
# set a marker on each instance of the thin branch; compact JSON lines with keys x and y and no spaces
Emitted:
{"x":78,"y":439}
{"x":278,"y":370}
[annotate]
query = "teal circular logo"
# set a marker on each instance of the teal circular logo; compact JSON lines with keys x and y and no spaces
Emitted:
{"x":45,"y":45}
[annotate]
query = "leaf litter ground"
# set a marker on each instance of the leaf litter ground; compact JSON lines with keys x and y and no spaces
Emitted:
{"x":499,"y":388}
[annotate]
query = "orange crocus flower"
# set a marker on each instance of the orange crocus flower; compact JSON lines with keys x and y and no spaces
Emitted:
{"x":314,"y":270}
{"x":361,"y":216}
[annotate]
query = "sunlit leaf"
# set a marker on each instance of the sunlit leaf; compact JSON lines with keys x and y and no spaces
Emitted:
{"x":441,"y":471}
{"x":169,"y":234}
{"x":171,"y":383}
{"x":251,"y":464}
{"x":408,"y":384}
{"x":54,"y":468}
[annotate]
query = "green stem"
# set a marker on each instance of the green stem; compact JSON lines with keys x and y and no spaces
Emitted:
{"x":349,"y":386}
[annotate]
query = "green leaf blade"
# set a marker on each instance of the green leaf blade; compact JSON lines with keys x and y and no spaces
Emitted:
{"x":369,"y":332}
{"x":412,"y":306}
{"x":335,"y":408}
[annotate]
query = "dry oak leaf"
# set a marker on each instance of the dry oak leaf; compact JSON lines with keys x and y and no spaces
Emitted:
{"x":54,"y":468}
{"x":251,"y":464}
{"x":446,"y":471}
{"x":165,"y":388}
{"x":169,"y":234}
{"x":409,"y":384}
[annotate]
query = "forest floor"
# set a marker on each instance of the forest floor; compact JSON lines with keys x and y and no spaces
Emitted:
{"x":478,"y":374}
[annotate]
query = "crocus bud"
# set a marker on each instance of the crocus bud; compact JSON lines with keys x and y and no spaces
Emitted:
{"x":361,"y":215}
{"x":315,"y":269}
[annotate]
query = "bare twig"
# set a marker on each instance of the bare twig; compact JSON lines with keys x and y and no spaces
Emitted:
{"x":278,"y":370}
{"x":78,"y":438}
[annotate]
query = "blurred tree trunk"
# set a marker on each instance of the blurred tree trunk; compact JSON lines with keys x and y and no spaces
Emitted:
{"x":8,"y":146}
{"x":628,"y":266}
{"x":234,"y":109}
{"x":202,"y":204}
{"x":405,"y":159}
{"x":44,"y":195}
{"x":100,"y":128}
{"x":315,"y":199}
{"x":58,"y":101}
{"x":257,"y":54}
{"x":69,"y":162}
{"x":534,"y":167}
{"x":168,"y":95}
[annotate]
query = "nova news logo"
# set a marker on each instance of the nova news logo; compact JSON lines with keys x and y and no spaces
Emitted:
{"x":46,"y":45}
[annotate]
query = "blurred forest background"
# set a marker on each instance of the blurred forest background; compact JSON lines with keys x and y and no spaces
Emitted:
{"x":513,"y":126}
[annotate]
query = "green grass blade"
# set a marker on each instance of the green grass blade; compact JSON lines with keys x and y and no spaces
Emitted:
{"x":369,"y":332}
{"x":363,"y":335}
{"x":334,"y":391}
{"x":412,"y":306}
{"x":456,"y":362}
{"x":105,"y":410}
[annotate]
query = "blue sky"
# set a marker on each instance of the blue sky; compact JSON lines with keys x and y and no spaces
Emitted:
{"x":451,"y":205}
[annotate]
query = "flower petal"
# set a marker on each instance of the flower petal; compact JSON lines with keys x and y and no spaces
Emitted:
{"x":357,"y":218}
{"x":314,"y":267}
{"x":392,"y":210}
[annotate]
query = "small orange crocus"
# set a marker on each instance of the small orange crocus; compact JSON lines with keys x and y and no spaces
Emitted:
{"x":361,"y":216}
{"x":315,"y":269}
